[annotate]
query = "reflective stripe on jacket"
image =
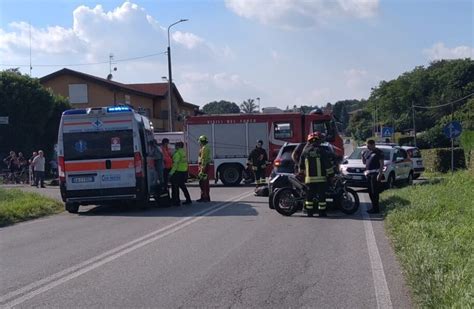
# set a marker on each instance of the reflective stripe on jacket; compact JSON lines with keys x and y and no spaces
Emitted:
{"x":180,"y":162}
{"x":317,"y":164}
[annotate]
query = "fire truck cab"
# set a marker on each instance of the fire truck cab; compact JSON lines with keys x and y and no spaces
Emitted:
{"x":232,"y":137}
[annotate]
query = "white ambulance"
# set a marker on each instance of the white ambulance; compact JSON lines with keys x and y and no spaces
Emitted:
{"x":102,"y":157}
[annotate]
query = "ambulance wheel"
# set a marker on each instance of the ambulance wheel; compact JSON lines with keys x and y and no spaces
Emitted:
{"x":72,"y":208}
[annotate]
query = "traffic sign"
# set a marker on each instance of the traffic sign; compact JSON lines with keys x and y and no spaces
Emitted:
{"x":387,"y":131}
{"x":453,"y":129}
{"x":4,"y":120}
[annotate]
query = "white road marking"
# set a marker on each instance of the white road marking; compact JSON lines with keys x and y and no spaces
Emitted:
{"x":64,"y":276}
{"x":382,"y":293}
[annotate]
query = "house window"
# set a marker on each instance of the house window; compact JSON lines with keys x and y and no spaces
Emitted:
{"x":78,"y":93}
{"x":127,"y":99}
{"x":283,"y":130}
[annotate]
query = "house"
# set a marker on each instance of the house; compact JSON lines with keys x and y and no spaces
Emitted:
{"x":84,"y":90}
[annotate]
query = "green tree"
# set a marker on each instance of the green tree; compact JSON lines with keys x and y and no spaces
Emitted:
{"x":33,"y":112}
{"x":248,"y":106}
{"x":360,"y":125}
{"x":221,"y":107}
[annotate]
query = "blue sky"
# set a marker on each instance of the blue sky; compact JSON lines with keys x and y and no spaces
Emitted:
{"x":286,"y":52}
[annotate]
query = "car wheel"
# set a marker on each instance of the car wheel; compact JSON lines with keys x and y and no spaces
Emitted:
{"x":410,"y":179}
{"x":391,"y":181}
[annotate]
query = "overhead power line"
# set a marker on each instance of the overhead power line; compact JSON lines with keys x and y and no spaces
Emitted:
{"x":445,"y":104}
{"x":83,"y":64}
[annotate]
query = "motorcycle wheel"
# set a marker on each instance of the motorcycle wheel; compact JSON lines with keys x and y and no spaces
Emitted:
{"x":285,"y":202}
{"x":349,"y":202}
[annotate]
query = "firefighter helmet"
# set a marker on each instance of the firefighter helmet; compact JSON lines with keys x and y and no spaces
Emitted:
{"x":315,"y":137}
{"x":203,"y":139}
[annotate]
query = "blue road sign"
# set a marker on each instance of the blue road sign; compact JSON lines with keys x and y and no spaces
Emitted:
{"x":453,"y":129}
{"x":387,"y":131}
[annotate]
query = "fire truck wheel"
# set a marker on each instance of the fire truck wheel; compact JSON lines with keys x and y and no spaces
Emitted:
{"x":230,"y":174}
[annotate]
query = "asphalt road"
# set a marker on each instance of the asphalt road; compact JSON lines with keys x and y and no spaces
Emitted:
{"x":233,"y":252}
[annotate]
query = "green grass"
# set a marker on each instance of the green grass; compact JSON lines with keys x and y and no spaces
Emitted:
{"x":432,"y":229}
{"x":17,"y":206}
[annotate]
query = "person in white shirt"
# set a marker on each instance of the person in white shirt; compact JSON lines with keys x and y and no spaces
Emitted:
{"x":38,"y":165}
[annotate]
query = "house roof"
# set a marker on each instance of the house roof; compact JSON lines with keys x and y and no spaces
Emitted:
{"x":99,"y":80}
{"x":151,"y":90}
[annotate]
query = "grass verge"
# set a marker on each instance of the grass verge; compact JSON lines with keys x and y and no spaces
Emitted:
{"x":432,"y":229}
{"x":17,"y":206}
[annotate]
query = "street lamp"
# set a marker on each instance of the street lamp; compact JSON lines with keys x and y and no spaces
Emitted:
{"x":170,"y":78}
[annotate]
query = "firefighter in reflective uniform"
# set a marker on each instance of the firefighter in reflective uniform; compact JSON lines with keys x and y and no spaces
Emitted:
{"x":316,"y":162}
{"x":258,"y":160}
{"x":204,"y":162}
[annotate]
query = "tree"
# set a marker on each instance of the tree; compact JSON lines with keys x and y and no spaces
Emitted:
{"x":360,"y":125}
{"x":33,"y":112}
{"x":248,"y":106}
{"x":221,"y":107}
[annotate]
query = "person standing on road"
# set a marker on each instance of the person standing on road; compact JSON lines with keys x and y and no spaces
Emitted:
{"x":258,"y":159}
{"x":316,"y":162}
{"x":38,"y":164}
{"x":167,"y":160}
{"x":32,"y":169}
{"x":179,"y":175}
{"x":373,"y":160}
{"x":204,"y":162}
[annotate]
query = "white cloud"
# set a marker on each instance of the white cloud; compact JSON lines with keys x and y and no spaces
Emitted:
{"x":355,"y":78}
{"x":209,"y":87}
{"x":439,"y":51}
{"x":292,"y":14}
{"x":189,"y":40}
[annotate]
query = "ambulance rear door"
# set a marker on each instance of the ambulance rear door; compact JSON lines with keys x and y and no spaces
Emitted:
{"x":99,"y":153}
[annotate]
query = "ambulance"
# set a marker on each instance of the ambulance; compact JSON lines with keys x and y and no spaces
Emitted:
{"x":102,"y":157}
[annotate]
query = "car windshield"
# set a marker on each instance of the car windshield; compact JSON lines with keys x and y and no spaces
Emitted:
{"x":286,"y":153}
{"x":357,"y":154}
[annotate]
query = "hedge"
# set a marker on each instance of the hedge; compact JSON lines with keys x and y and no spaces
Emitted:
{"x":439,"y":159}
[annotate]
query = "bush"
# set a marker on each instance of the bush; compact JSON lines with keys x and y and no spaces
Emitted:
{"x":439,"y":159}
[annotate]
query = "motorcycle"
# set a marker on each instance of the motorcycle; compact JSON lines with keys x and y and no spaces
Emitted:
{"x":289,"y":199}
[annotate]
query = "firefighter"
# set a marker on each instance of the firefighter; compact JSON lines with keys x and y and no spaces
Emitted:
{"x":258,"y":160}
{"x":204,"y":162}
{"x":316,"y":162}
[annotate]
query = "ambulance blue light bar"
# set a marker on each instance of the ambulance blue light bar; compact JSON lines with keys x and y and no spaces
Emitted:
{"x":80,"y":111}
{"x":118,"y":109}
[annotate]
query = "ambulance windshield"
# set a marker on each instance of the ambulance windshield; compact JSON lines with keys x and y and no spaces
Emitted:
{"x":98,"y":145}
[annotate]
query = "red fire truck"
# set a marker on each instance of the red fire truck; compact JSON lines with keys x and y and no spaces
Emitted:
{"x":232,"y":137}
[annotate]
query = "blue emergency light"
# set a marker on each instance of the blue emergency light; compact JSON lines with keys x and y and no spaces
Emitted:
{"x":118,"y":109}
{"x":80,"y":111}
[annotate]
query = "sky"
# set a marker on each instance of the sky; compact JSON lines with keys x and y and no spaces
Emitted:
{"x":285,"y":52}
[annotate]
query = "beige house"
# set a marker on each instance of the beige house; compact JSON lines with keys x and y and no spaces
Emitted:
{"x":84,"y":90}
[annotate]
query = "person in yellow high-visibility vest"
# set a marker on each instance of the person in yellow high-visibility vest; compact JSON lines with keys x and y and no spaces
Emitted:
{"x":317,"y":164}
{"x":179,"y":175}
{"x":204,"y":161}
